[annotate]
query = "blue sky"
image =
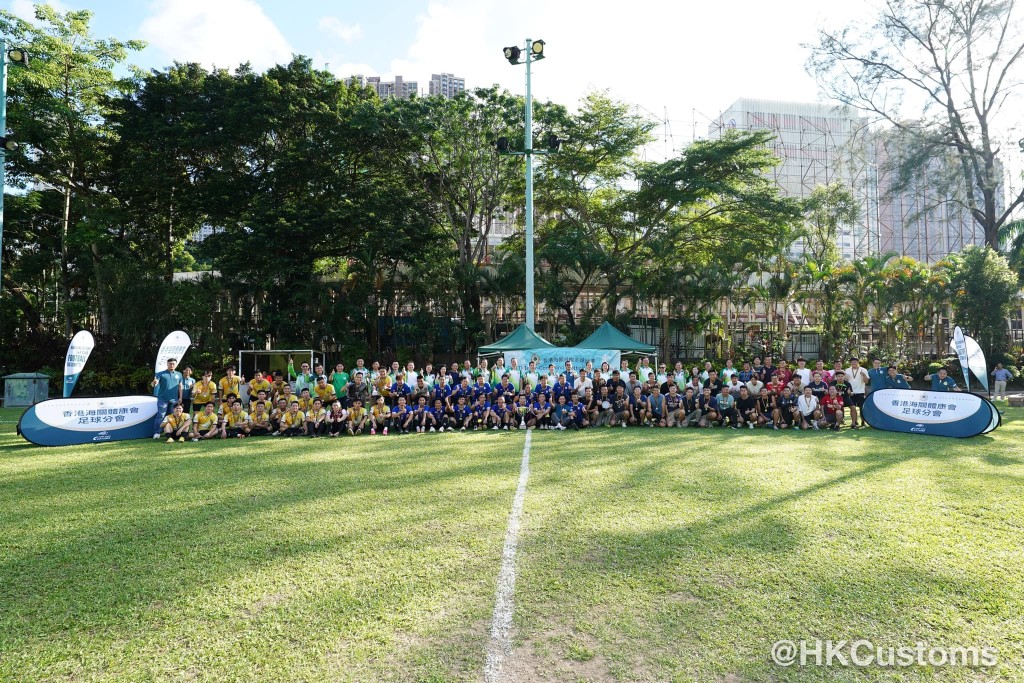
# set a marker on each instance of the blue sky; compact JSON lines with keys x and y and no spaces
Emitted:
{"x":681,"y":62}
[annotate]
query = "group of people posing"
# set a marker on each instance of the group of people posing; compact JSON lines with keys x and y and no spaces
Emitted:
{"x":382,"y":400}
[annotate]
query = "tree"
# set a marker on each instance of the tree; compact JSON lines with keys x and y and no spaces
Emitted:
{"x":961,"y":58}
{"x":58,"y":109}
{"x":984,"y":288}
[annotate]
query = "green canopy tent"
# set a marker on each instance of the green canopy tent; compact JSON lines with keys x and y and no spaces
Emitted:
{"x":520,"y":338}
{"x":609,"y":337}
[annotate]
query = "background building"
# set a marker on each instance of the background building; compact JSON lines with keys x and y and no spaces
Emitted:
{"x":396,"y":88}
{"x":820,"y":144}
{"x":446,"y":85}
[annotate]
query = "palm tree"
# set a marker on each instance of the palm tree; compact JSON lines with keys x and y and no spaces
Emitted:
{"x":864,"y":288}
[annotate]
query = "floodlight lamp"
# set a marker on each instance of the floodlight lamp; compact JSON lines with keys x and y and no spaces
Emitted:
{"x":8,"y":144}
{"x":17,"y":55}
{"x":512,"y":54}
{"x":1021,"y":143}
{"x":552,"y":142}
{"x":538,"y":49}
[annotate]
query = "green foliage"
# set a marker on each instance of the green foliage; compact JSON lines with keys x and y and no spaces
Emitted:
{"x":984,"y":289}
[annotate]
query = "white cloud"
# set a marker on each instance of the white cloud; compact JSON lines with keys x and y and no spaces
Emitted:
{"x":224,"y":33}
{"x":26,"y":8}
{"x":339,"y":29}
{"x":686,"y":60}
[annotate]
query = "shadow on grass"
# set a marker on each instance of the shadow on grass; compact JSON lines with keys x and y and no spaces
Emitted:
{"x":103,"y":539}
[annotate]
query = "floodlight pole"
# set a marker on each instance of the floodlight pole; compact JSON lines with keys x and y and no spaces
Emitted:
{"x":528,"y":147}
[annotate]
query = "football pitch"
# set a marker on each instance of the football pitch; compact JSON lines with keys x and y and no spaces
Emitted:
{"x":641,"y":555}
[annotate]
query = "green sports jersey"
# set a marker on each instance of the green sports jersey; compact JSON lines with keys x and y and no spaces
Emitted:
{"x":340,"y":380}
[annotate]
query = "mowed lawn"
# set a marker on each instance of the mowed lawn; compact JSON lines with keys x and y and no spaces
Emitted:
{"x":644,"y":555}
{"x":260,"y":560}
{"x":684,"y":557}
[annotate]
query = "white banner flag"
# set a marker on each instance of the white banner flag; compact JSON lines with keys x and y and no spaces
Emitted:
{"x":74,"y":362}
{"x":958,"y":345}
{"x":174,"y":346}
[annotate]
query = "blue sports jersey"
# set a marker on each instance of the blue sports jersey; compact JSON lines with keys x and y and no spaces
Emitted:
{"x":478,"y":389}
{"x":442,"y":391}
{"x":537,"y":405}
{"x":462,"y":412}
{"x":546,"y":390}
{"x":397,"y":391}
{"x":947,"y":384}
{"x":481,"y":408}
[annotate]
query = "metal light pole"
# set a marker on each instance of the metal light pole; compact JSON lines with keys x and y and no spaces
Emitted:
{"x":17,"y":56}
{"x":534,"y":51}
{"x":528,"y":148}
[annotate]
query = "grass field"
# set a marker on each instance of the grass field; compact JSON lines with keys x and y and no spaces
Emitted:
{"x":645,"y":555}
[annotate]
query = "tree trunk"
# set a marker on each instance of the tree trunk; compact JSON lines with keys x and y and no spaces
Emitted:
{"x":101,"y":290}
{"x":65,"y":276}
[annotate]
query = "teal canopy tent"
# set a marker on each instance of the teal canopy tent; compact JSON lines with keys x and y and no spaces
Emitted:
{"x":608,"y":337}
{"x":520,"y":338}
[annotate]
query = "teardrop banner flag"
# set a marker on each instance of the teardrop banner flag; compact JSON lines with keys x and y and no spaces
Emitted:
{"x":74,"y":362}
{"x":971,"y":356}
{"x":174,"y":346}
{"x":958,"y":345}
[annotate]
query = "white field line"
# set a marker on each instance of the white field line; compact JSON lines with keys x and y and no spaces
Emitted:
{"x":500,"y":644}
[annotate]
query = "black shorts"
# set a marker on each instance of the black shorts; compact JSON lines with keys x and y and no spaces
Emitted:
{"x":857,"y":400}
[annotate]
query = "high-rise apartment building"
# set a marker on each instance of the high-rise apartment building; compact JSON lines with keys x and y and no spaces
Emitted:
{"x":446,"y":85}
{"x":396,"y":88}
{"x":819,"y":144}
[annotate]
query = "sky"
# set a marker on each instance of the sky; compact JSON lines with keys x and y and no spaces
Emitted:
{"x":680,"y":63}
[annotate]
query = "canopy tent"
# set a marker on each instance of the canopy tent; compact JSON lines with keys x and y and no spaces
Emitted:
{"x":609,"y":337}
{"x":520,"y":338}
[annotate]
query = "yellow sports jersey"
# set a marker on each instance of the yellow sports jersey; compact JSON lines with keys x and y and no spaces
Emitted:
{"x":305,"y":404}
{"x":356,"y":414}
{"x":326,"y":393}
{"x":229,"y":386}
{"x":239,"y":418}
{"x":291,"y":419}
{"x":278,"y":386}
{"x":203,"y":392}
{"x":258,"y":384}
{"x":260,"y":418}
{"x":380,"y":411}
{"x":316,"y":414}
{"x":206,"y":421}
{"x":254,"y":402}
{"x":176,"y":421}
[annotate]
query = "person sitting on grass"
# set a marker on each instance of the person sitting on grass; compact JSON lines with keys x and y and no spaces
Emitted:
{"x":357,"y":418}
{"x":481,"y":409}
{"x":810,"y":409}
{"x":708,"y":405}
{"x":746,"y":408}
{"x":673,"y":406}
{"x":380,"y":417}
{"x":401,"y":416}
{"x":440,"y":413}
{"x":260,"y":420}
{"x":727,"y":408}
{"x":690,"y":412}
{"x":521,"y":413}
{"x":834,"y":409}
{"x":277,"y":415}
{"x":786,"y":411}
{"x":336,"y":419}
{"x":765,"y":407}
{"x":423,"y":417}
{"x":580,"y":414}
{"x":461,"y":413}
{"x":501,"y":415}
{"x":316,"y":420}
{"x":236,"y":422}
{"x":561,"y":414}
{"x":207,"y":423}
{"x":540,"y":413}
{"x":620,"y":407}
{"x":175,"y":424}
{"x":293,"y":422}
{"x":637,"y":407}
{"x":656,"y":408}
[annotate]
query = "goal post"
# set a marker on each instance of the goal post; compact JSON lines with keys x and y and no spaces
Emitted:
{"x":250,"y":360}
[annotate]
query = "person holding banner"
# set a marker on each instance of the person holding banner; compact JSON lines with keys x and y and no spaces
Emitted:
{"x":167,"y":387}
